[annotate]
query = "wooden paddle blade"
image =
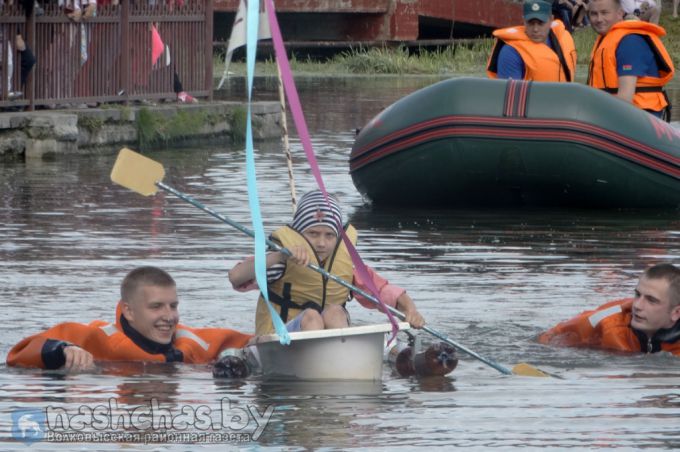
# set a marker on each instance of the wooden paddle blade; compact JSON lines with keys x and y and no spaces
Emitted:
{"x":137,"y":173}
{"x":527,"y":370}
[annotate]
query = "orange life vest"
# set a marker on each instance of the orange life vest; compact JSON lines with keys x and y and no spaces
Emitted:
{"x":649,"y":94}
{"x":108,"y":342}
{"x":541,"y":63}
{"x":608,"y":327}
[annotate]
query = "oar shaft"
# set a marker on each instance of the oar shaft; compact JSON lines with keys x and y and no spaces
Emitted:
{"x":340,"y":281}
{"x":205,"y":209}
{"x":502,"y":369}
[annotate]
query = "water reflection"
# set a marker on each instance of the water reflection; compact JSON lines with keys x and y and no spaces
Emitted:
{"x":330,"y":406}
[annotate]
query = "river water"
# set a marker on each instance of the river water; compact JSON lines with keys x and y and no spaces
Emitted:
{"x":490,"y":279}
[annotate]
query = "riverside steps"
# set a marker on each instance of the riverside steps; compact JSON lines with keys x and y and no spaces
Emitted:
{"x":50,"y":133}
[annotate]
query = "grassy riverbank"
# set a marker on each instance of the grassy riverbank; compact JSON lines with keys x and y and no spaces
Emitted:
{"x":467,"y":58}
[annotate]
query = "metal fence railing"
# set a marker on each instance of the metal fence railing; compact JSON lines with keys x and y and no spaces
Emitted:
{"x":131,"y":51}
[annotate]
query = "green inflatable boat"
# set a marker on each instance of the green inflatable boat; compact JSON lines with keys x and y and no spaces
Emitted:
{"x":480,"y":142}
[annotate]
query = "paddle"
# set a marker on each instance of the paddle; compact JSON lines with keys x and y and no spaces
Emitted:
{"x":144,"y":176}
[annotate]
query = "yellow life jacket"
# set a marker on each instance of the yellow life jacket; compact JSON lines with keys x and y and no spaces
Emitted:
{"x":301,"y":287}
{"x":541,"y":63}
{"x":649,"y":93}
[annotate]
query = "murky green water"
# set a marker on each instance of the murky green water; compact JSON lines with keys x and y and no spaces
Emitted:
{"x":490,"y":279}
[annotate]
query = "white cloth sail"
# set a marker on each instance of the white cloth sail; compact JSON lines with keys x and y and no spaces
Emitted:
{"x":238,"y":35}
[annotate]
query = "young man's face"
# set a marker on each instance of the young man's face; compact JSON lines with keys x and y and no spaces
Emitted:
{"x":603,"y":14}
{"x":323,"y":240}
{"x":652,"y":309}
{"x":536,"y":30}
{"x":154,"y":313}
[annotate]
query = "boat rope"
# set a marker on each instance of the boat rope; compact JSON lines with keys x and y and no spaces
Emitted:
{"x":286,"y":143}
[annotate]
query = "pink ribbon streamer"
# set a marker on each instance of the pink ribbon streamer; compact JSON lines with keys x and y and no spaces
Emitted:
{"x":303,"y":132}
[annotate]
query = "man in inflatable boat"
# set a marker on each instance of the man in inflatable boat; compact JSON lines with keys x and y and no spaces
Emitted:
{"x":305,"y":299}
{"x":146,"y":329}
{"x":628,"y":58}
{"x":541,"y":50}
{"x":647,"y":323}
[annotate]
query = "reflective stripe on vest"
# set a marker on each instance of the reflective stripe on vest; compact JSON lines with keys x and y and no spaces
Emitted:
{"x":109,"y":329}
{"x":186,"y":334}
{"x":599,"y":315}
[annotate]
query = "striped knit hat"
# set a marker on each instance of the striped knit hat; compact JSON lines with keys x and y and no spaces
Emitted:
{"x":313,"y":210}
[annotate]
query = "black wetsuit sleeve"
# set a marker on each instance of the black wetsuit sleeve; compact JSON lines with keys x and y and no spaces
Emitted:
{"x":52,"y":353}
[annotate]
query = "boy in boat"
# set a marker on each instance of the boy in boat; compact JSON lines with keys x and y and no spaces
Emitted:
{"x":305,"y":299}
{"x":146,"y":329}
{"x":647,"y":323}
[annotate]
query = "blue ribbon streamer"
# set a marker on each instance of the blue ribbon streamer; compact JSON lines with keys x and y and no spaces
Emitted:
{"x":252,"y":27}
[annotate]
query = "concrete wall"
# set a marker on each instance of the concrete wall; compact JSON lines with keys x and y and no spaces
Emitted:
{"x":48,"y":132}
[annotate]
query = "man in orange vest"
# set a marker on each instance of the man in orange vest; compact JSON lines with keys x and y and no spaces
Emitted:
{"x":146,"y":329}
{"x":647,"y":323}
{"x":541,"y":49}
{"x":628,"y":58}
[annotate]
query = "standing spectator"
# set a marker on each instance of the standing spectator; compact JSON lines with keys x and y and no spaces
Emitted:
{"x":78,"y":10}
{"x":628,"y":58}
{"x":92,"y":48}
{"x":160,"y":57}
{"x":647,"y":10}
{"x":580,"y":16}
{"x":6,"y":54}
{"x":27,"y":59}
{"x":571,"y":12}
{"x":562,"y":10}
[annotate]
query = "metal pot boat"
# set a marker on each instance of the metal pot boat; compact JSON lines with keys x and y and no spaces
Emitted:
{"x":354,"y":353}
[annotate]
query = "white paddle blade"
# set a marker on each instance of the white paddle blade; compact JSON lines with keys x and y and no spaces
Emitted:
{"x":137,"y":173}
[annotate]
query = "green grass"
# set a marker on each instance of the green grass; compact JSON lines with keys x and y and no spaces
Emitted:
{"x":268,"y":67}
{"x":672,"y":38}
{"x":238,"y":125}
{"x":92,"y":123}
{"x":583,"y":40}
{"x":467,"y":57}
{"x":154,"y":128}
